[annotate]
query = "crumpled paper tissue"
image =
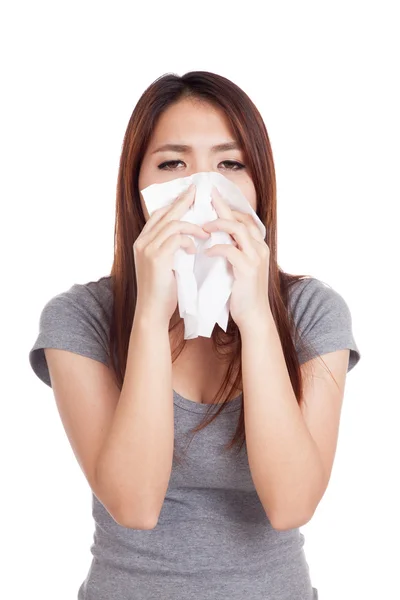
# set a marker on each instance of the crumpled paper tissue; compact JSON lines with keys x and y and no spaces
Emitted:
{"x":204,"y":283}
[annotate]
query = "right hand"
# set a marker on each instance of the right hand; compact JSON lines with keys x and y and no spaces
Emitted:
{"x":154,"y":251}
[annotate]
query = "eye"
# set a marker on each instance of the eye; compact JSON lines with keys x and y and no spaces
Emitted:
{"x":232,"y":165}
{"x":166,"y":165}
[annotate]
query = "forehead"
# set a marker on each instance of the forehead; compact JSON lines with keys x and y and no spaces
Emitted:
{"x":190,"y":119}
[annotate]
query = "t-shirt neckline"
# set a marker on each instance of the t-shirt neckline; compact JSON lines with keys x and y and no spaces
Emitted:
{"x":192,"y":406}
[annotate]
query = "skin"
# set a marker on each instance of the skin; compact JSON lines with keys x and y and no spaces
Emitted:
{"x":291,"y":447}
{"x":200,"y":125}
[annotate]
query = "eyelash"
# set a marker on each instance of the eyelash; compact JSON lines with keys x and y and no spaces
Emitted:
{"x":239,"y":166}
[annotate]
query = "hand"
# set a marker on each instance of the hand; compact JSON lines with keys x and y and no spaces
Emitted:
{"x":249,"y":257}
{"x":154,"y":251}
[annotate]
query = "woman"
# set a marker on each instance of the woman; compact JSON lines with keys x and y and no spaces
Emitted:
{"x":220,"y":519}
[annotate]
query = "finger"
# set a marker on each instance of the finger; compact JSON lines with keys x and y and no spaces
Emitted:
{"x":173,"y":211}
{"x":237,"y":230}
{"x":235,"y":257}
{"x":248,"y":220}
{"x":222,"y":208}
{"x":179,"y":227}
{"x":174,"y":242}
{"x":182,"y":203}
{"x":155,"y":217}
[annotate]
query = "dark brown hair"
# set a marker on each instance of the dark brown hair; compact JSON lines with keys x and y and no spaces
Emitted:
{"x":249,"y":129}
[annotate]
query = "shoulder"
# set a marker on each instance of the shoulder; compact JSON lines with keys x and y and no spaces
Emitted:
{"x":77,"y":320}
{"x":322,"y":317}
{"x":309,"y":297}
{"x":90,"y":303}
{"x":309,"y":288}
{"x":94,"y":296}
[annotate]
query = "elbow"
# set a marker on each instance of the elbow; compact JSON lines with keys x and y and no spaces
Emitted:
{"x":285,"y":521}
{"x":125,"y":520}
{"x":295,"y":514}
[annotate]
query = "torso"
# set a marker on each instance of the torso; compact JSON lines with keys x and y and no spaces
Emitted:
{"x":198,"y":372}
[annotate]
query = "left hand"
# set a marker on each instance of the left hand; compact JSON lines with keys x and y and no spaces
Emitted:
{"x":249,"y":258}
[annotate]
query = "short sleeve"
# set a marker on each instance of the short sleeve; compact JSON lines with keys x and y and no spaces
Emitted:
{"x":75,"y":321}
{"x":324,"y":321}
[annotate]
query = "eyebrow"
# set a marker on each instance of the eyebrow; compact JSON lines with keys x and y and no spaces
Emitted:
{"x":184,"y":148}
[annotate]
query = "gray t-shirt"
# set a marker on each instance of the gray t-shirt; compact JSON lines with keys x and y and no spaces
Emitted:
{"x":213,"y":540}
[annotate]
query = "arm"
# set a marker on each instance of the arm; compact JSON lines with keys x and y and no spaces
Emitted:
{"x":136,"y":458}
{"x":289,"y":469}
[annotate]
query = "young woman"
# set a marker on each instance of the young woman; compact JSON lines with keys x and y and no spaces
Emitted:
{"x":220,"y":517}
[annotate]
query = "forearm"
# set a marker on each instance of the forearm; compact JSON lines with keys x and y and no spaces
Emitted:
{"x":283,"y":458}
{"x":136,"y":459}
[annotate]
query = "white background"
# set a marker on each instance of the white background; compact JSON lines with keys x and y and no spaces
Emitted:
{"x":325,"y":78}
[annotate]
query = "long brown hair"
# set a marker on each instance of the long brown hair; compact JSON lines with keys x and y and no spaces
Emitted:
{"x":249,"y":128}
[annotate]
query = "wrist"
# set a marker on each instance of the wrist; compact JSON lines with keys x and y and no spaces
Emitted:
{"x":257,"y":324}
{"x":149,"y":320}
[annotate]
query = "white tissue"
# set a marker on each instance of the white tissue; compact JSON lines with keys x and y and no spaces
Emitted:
{"x":204,"y":283}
